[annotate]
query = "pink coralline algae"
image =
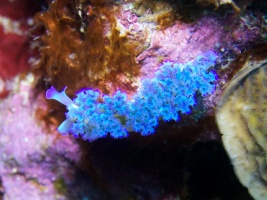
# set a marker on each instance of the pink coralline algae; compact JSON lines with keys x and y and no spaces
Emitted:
{"x":182,"y":42}
{"x":31,"y":158}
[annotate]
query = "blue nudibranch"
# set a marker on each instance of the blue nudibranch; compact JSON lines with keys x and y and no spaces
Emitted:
{"x":164,"y":97}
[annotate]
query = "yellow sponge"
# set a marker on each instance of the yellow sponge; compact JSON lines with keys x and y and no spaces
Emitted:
{"x":242,"y":119}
